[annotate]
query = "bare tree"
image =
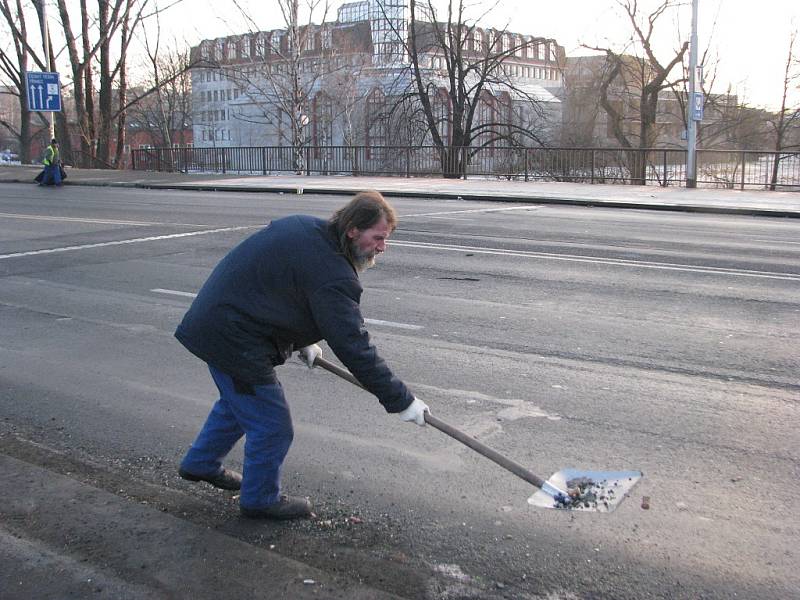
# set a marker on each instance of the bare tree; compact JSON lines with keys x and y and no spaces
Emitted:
{"x":283,"y":71}
{"x":640,"y":79}
{"x":99,"y":70}
{"x":787,"y":119}
{"x":473,"y":65}
{"x":161,"y":107}
{"x":15,"y":60}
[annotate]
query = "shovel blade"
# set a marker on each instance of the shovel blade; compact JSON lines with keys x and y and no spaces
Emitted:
{"x":598,"y":491}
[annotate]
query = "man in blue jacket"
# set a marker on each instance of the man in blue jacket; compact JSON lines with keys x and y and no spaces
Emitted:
{"x":288,"y":286}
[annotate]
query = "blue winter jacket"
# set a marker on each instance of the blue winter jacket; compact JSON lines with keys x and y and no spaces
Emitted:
{"x":285,"y":287}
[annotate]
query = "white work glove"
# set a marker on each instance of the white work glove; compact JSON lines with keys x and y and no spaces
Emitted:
{"x":309,"y":353}
{"x":415,"y":412}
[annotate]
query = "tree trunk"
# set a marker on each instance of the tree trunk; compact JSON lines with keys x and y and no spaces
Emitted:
{"x":123,"y":98}
{"x":105,"y":95}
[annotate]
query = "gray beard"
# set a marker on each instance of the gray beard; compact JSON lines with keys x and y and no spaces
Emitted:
{"x":362,"y":260}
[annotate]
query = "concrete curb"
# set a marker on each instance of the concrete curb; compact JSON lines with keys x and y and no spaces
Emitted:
{"x":464,"y":195}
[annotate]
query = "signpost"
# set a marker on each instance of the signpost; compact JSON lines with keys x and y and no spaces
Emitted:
{"x":44,"y":91}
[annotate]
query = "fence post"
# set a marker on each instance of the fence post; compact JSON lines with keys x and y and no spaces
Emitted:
{"x":742,"y":185}
{"x":666,"y":180}
{"x":307,"y":151}
{"x":526,"y":163}
{"x":408,"y":162}
{"x":591,"y":165}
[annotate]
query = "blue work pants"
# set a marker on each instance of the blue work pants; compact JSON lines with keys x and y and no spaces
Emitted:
{"x":52,"y":175}
{"x":263,"y":418}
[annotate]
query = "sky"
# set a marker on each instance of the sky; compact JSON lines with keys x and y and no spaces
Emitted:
{"x":749,"y":38}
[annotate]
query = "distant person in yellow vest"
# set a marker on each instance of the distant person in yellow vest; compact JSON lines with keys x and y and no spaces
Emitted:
{"x":52,"y":165}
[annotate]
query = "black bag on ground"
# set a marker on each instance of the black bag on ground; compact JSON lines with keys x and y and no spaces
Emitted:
{"x":63,"y":172}
{"x":39,"y":177}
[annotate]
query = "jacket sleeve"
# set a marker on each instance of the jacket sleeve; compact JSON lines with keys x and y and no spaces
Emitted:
{"x":337,"y":313}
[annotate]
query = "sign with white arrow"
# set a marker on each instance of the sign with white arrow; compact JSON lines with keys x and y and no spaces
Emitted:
{"x":44,"y":91}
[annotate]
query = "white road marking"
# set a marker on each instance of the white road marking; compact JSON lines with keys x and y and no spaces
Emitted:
{"x":620,"y":262}
{"x":174,"y":293}
{"x":370,"y":321}
{"x":94,"y":221}
{"x":449,"y":218}
{"x":776,"y":241}
{"x":472,"y":211}
{"x":123,"y":242}
{"x":393,"y":324}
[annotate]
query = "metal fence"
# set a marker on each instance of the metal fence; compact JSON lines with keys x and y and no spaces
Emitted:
{"x":665,"y":167}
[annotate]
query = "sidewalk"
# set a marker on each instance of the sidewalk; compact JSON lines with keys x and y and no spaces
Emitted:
{"x":720,"y":201}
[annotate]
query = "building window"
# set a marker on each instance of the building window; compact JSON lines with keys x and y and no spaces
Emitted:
{"x":246,"y":40}
{"x":477,"y":37}
{"x":231,"y":50}
{"x":322,"y":127}
{"x":441,"y":111}
{"x":276,"y":41}
{"x":377,"y":124}
{"x":487,"y":112}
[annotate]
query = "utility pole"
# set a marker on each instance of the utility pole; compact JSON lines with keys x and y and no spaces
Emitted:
{"x":41,"y":9}
{"x":692,"y":109}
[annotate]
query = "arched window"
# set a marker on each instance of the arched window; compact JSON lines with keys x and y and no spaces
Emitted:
{"x":477,"y":37}
{"x":505,"y":113}
{"x":442,"y":114}
{"x":486,"y":118}
{"x":322,"y":126}
{"x":376,"y":124}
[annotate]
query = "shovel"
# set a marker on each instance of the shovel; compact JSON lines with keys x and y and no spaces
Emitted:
{"x":571,"y":489}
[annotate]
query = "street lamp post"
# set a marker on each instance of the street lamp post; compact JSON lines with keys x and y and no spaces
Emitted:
{"x":693,"y":111}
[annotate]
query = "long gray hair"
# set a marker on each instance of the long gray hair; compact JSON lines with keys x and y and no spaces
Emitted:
{"x":362,"y":212}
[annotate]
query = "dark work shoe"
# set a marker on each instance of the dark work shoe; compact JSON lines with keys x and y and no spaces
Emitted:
{"x":288,"y":507}
{"x":224,"y":480}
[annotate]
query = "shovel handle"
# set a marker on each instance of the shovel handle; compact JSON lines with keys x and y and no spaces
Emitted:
{"x":479,"y":447}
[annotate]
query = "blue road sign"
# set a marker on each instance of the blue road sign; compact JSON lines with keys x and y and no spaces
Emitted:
{"x":44,"y":92}
{"x":697,"y":106}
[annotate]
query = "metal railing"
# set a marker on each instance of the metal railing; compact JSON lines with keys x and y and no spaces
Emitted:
{"x":664,"y":167}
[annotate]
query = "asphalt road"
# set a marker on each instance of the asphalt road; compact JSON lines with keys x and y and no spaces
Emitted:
{"x":563,"y":337}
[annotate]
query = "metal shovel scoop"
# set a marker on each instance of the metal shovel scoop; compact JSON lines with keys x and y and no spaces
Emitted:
{"x":568,"y":489}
